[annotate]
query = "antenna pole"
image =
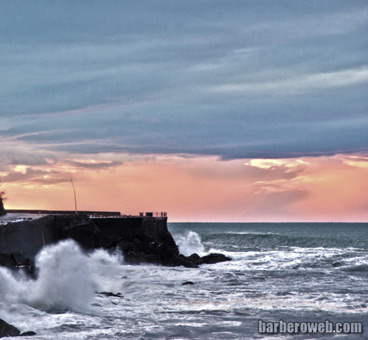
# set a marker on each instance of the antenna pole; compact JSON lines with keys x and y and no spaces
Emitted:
{"x":75,"y":196}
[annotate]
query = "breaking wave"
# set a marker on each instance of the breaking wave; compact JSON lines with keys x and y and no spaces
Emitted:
{"x":67,"y":278}
{"x":190,"y":243}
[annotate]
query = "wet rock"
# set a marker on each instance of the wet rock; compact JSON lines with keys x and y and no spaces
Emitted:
{"x":187,"y":283}
{"x":195,"y":258}
{"x":153,"y":259}
{"x":16,"y":261}
{"x":215,"y":258}
{"x":133,"y":257}
{"x":28,"y":333}
{"x":148,"y":250}
{"x":109,"y":294}
{"x":127,"y":246}
{"x":182,"y":260}
{"x":8,"y":330}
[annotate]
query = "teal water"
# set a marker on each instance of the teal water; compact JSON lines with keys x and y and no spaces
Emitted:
{"x":288,"y":271}
{"x":279,"y":271}
{"x":276,"y":235}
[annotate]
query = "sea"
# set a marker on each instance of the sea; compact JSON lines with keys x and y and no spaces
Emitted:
{"x":285,"y":281}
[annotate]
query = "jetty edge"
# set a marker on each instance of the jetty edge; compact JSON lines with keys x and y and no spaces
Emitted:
{"x":141,"y":239}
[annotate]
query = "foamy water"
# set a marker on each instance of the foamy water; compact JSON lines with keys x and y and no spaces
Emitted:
{"x":275,"y":274}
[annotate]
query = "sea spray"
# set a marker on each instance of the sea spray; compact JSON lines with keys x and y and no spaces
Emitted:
{"x":64,"y":279}
{"x":12,"y":285}
{"x":67,"y":278}
{"x":106,"y":270}
{"x":190,"y":243}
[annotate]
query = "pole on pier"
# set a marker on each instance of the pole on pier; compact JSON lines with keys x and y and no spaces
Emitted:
{"x":75,"y":196}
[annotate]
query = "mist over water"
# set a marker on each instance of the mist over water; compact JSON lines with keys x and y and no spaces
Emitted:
{"x":292,"y":272}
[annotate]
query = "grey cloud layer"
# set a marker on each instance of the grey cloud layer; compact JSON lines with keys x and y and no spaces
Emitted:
{"x":235,"y":79}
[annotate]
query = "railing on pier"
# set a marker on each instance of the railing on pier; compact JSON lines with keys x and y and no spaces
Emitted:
{"x":154,"y":214}
{"x":92,"y":214}
{"x":63,"y":212}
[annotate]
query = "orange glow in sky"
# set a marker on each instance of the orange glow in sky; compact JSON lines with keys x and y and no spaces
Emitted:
{"x":201,"y":188}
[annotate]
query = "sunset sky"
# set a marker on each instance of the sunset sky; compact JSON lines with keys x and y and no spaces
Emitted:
{"x":209,"y":110}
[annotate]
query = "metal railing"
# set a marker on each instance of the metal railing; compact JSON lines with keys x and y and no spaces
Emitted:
{"x":154,"y":214}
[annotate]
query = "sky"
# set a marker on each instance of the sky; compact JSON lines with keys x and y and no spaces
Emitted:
{"x":214,"y":110}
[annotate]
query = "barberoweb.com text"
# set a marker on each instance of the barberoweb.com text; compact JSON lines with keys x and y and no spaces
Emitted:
{"x":326,"y":327}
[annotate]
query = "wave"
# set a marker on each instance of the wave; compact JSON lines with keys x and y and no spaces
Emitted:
{"x":362,"y":267}
{"x":270,"y":240}
{"x":190,"y":243}
{"x":67,"y":278}
{"x":249,"y":233}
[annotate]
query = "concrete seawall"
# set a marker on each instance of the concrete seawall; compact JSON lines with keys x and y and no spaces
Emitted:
{"x":28,"y":237}
{"x":140,"y":238}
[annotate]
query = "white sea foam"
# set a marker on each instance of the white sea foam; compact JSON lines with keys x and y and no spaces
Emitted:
{"x":190,"y":243}
{"x":67,"y":278}
{"x":249,"y":233}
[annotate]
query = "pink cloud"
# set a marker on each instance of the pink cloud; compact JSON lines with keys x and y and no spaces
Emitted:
{"x":202,"y":188}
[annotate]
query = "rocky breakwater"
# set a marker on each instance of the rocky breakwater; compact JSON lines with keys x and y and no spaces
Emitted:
{"x":147,"y":240}
{"x":141,"y":240}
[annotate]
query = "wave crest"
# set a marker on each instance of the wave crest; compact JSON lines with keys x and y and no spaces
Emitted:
{"x":190,"y":243}
{"x":67,"y":278}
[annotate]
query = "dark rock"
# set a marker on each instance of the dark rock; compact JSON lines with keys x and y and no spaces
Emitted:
{"x":126,"y":246}
{"x":134,"y":257}
{"x":214,"y":258}
{"x":157,"y":229}
{"x":166,"y":255}
{"x":109,"y":242}
{"x":153,"y":259}
{"x":16,"y":261}
{"x":8,"y":330}
{"x":147,"y":250}
{"x":187,"y":283}
{"x":2,"y":209}
{"x":195,"y":258}
{"x":28,"y":333}
{"x":181,"y":260}
{"x":18,"y":258}
{"x":108,"y":294}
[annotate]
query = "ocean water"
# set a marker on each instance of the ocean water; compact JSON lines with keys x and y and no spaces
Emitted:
{"x":280,"y":271}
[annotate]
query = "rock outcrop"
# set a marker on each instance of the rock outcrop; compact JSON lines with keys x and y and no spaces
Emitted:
{"x":147,"y":240}
{"x":8,"y":330}
{"x":141,"y":240}
{"x":17,"y":261}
